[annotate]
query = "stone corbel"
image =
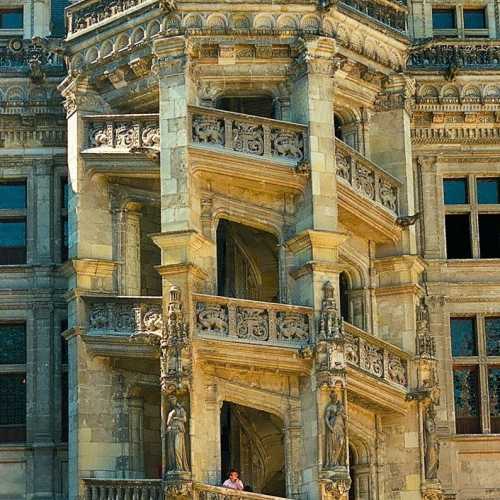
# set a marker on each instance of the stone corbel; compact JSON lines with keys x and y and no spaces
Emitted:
{"x":116,"y":78}
{"x":140,"y":67}
{"x":80,"y":95}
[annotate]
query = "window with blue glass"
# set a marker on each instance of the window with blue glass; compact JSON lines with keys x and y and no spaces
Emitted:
{"x":455,"y":191}
{"x":12,"y":222}
{"x":463,"y":337}
{"x":488,"y":191}
{"x":474,"y":19}
{"x":12,"y":195}
{"x":443,"y":19}
{"x":475,"y":345}
{"x":11,"y":19}
{"x":12,"y":344}
{"x":64,"y":218}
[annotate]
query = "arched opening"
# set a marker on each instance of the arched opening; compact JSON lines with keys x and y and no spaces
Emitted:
{"x":359,"y":471}
{"x":352,"y":489}
{"x":344,"y":297}
{"x":250,"y":105}
{"x":252,"y":442}
{"x":338,"y":123}
{"x":247,"y":262}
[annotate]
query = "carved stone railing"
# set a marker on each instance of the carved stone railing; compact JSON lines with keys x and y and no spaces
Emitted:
{"x":83,"y":15}
{"x":207,"y":492}
{"x":123,"y":316}
{"x":122,"y":489}
{"x":383,"y":13}
{"x":375,"y":356}
{"x":122,"y":133}
{"x":252,"y":135}
{"x":367,"y":178}
{"x":449,"y":54}
{"x":252,"y":321}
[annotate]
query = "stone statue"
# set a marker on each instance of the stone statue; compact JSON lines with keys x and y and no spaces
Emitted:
{"x":431,"y":444}
{"x":335,"y":425}
{"x":176,"y":438}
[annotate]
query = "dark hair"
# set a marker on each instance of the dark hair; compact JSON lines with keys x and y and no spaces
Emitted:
{"x":233,"y":470}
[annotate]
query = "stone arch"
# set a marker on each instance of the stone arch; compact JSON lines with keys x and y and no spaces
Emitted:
{"x":91,"y":55}
{"x":240,"y":22}
{"x":342,"y":34}
{"x":77,"y":62}
{"x":216,"y":22}
{"x":172,"y":23}
{"x":428,"y":93}
{"x":491,"y":92}
{"x":192,"y":21}
{"x":137,"y":36}
{"x":450,"y":92}
{"x":362,"y":459}
{"x":263,"y":22}
{"x":122,"y":42}
{"x":471,"y":93}
{"x":153,"y":28}
{"x":287,"y":22}
{"x":310,"y":23}
{"x":356,"y":42}
{"x":106,"y":48}
{"x":38,"y":94}
{"x":328,"y":26}
{"x":15,"y":94}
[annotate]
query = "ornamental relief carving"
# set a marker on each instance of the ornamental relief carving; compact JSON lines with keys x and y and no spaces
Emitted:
{"x":252,"y":324}
{"x":287,"y":144}
{"x":212,"y":319}
{"x":208,"y":130}
{"x":292,"y":326}
{"x":248,"y":138}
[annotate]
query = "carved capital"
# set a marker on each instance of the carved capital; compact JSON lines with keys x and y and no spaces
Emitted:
{"x":171,"y":56}
{"x":336,"y":488}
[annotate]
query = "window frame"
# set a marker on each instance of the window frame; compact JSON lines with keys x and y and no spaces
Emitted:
{"x":460,"y":31}
{"x":17,"y":214}
{"x":482,"y":362}
{"x":15,"y":7}
{"x":17,"y":369}
{"x":473,"y":208}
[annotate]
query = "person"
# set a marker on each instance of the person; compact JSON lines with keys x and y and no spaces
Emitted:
{"x":233,"y":482}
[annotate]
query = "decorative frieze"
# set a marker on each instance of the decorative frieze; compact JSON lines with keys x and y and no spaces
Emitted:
{"x":124,"y":316}
{"x":375,"y":357}
{"x":123,"y":132}
{"x":252,"y":321}
{"x":383,"y":13}
{"x":250,"y":135}
{"x":467,"y":54}
{"x":366,"y":178}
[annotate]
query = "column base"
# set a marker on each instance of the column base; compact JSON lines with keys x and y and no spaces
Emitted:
{"x":178,"y":486}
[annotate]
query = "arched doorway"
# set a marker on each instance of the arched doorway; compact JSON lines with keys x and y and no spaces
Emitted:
{"x":247,"y":262}
{"x":252,"y":442}
{"x":359,"y":471}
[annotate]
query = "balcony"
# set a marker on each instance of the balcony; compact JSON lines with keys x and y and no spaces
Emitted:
{"x":248,"y":321}
{"x":152,"y":489}
{"x":110,"y":323}
{"x":366,"y":178}
{"x":374,"y":356}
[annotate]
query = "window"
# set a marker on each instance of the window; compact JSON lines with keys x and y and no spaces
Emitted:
{"x":488,"y":191}
{"x":458,"y":22}
{"x":458,"y":241}
{"x":475,"y":345}
{"x":12,"y":382}
{"x":474,"y":19}
{"x":256,"y":106}
{"x":64,"y":218}
{"x":12,"y":223}
{"x":11,"y":19}
{"x":455,"y":191}
{"x":472,"y":217}
{"x":443,"y":19}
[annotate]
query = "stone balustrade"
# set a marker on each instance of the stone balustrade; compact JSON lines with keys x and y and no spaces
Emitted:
{"x":456,"y":54}
{"x":375,"y":356}
{"x":252,"y":321}
{"x":123,"y":316}
{"x":82,"y":15}
{"x":251,"y":135}
{"x":367,"y":178}
{"x":208,"y":492}
{"x":122,"y":133}
{"x":123,"y":489}
{"x":384,"y":13}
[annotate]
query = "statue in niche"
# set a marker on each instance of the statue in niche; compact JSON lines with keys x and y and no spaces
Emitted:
{"x":431,"y":443}
{"x":336,"y":426}
{"x":176,"y":438}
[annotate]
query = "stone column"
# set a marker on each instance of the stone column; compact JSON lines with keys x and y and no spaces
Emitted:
{"x":40,"y":409}
{"x":90,"y":250}
{"x":390,"y":144}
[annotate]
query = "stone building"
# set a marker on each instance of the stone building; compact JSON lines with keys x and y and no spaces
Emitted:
{"x":283,"y":225}
{"x":33,"y":218}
